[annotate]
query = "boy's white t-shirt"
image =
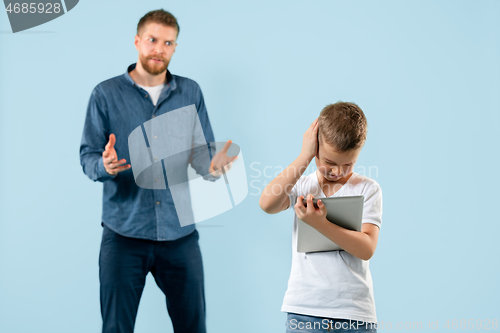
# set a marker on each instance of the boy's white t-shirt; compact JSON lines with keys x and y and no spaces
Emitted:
{"x":154,"y":92}
{"x":333,"y":284}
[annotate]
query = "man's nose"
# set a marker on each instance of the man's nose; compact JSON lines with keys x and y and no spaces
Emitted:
{"x":159,"y":49}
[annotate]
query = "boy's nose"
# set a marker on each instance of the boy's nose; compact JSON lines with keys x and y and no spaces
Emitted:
{"x":336,"y":171}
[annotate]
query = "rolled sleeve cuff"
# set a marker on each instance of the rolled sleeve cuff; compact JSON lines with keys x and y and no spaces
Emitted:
{"x":209,"y":177}
{"x":101,"y":171}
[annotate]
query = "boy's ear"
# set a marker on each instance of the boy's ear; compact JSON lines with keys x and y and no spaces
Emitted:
{"x":317,"y":144}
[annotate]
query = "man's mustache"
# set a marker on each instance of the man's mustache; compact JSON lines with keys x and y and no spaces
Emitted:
{"x":162,"y":59}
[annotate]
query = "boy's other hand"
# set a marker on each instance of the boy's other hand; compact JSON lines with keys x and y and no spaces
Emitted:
{"x":310,"y":215}
{"x":110,"y":160}
{"x":310,"y":141}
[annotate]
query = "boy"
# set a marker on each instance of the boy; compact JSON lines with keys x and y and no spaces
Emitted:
{"x":334,"y":289}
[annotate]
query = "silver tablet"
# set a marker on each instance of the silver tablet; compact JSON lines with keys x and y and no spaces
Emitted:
{"x":346,"y":212}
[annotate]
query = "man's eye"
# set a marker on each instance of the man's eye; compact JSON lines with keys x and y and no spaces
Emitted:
{"x":169,"y":43}
{"x":151,"y":39}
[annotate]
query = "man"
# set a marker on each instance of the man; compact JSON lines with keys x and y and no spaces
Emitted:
{"x":141,"y":229}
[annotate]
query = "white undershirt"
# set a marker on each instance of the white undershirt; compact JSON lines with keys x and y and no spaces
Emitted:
{"x":154,"y":92}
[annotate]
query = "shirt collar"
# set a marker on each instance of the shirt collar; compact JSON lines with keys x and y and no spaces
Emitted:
{"x":169,"y":80}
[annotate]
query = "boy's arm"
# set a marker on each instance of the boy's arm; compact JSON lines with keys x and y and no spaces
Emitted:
{"x":360,"y":244}
{"x":274,"y":198}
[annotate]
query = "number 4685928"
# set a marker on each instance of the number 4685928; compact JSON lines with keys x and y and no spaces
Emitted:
{"x":472,"y":324}
{"x":33,"y":8}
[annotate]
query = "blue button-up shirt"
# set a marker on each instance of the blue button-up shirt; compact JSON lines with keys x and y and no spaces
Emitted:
{"x":118,"y":106}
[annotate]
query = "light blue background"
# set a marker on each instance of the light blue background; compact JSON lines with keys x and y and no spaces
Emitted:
{"x":426,"y":73}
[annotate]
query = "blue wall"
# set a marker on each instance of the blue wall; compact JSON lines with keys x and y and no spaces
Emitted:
{"x":426,"y":73}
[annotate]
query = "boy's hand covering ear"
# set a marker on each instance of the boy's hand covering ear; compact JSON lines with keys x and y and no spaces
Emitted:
{"x":310,"y":141}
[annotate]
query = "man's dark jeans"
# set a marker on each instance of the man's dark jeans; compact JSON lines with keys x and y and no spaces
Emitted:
{"x":178,"y":271}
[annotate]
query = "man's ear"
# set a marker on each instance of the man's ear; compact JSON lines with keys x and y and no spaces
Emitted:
{"x":136,"y":42}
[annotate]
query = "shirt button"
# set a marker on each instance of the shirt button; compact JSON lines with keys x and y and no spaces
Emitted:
{"x":156,"y":158}
{"x":157,"y":202}
{"x":153,"y":116}
{"x":155,"y":136}
{"x":146,"y":95}
{"x":156,"y":179}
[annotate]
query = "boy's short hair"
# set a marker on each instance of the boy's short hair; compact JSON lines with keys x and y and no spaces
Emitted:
{"x":342,"y":125}
{"x":158,"y":16}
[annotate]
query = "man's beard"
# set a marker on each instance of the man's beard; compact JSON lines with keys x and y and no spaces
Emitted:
{"x":153,"y":68}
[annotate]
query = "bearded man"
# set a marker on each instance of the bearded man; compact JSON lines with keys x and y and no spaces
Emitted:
{"x":141,"y":229}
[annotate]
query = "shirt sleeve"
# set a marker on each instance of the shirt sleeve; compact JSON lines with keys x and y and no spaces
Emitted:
{"x":372,"y":209}
{"x":200,"y":158}
{"x":94,"y":138}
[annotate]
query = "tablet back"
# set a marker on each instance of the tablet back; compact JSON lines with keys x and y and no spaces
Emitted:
{"x":346,"y":212}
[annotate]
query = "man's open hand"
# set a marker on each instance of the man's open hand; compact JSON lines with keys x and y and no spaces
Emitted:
{"x":110,"y":158}
{"x":221,"y":161}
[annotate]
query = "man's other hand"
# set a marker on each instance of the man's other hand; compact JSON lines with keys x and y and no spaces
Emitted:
{"x":110,"y":158}
{"x":221,"y":161}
